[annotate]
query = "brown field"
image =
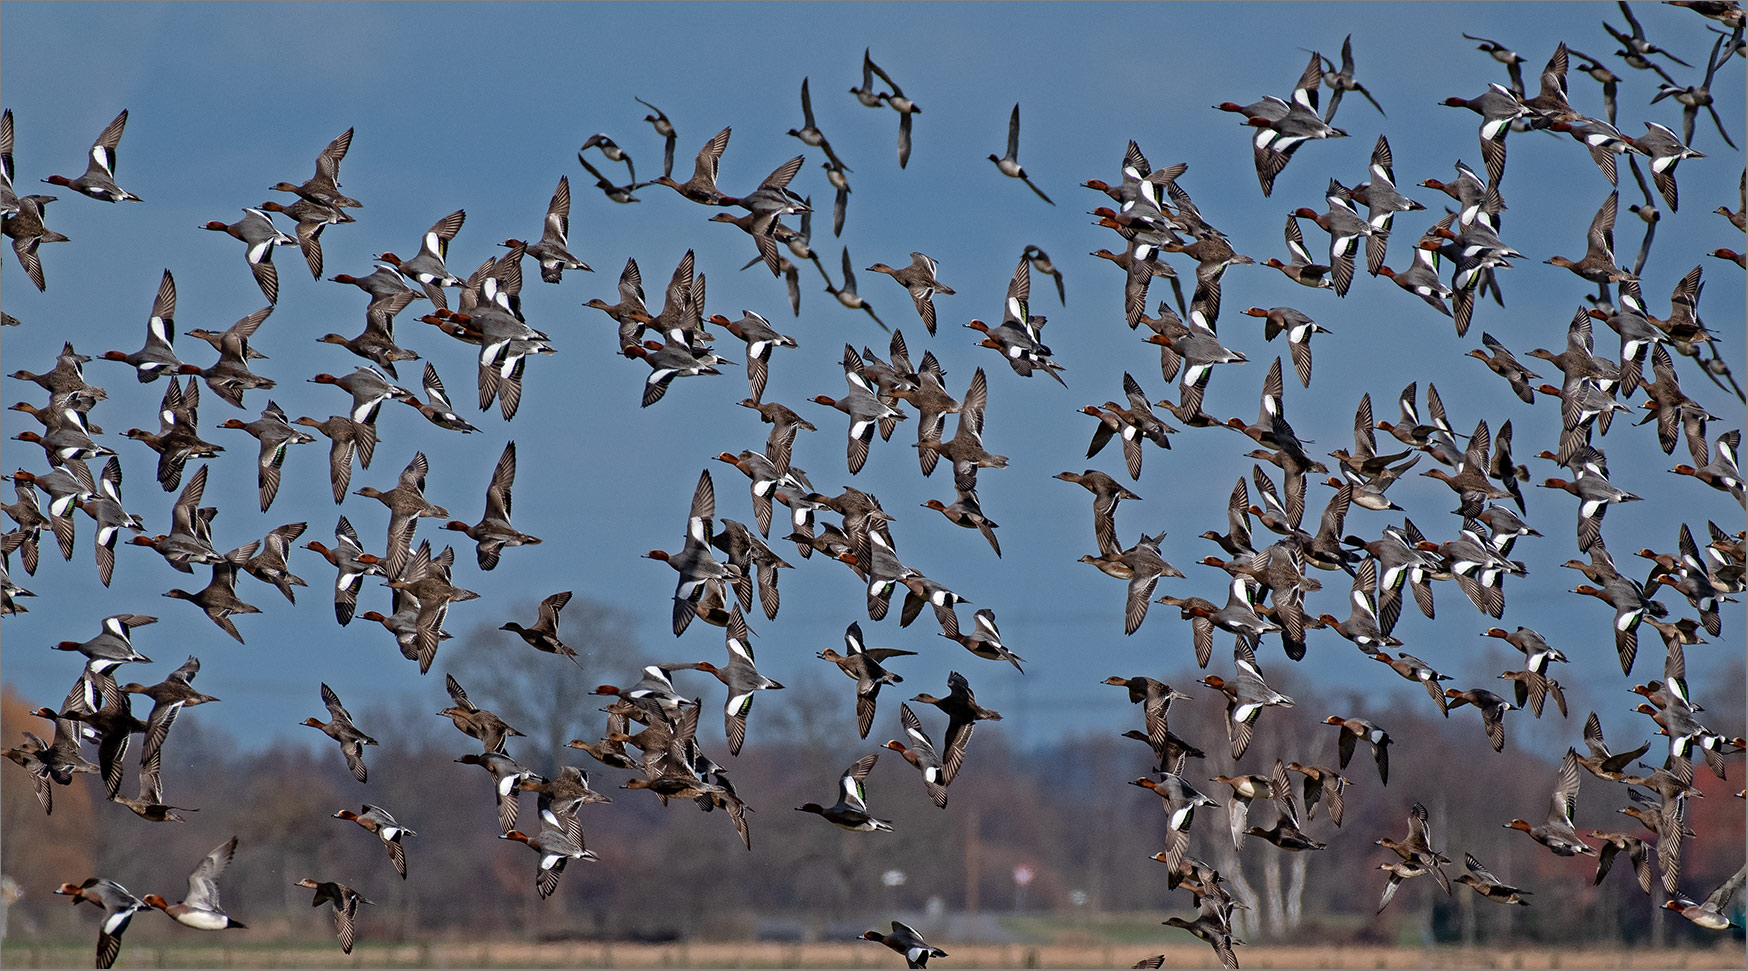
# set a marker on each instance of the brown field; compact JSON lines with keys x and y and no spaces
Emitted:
{"x":505,"y":954}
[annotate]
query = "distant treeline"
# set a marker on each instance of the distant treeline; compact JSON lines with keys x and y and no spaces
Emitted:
{"x":1065,"y":810}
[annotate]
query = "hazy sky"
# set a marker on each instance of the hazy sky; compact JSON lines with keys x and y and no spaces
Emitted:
{"x":482,"y":108}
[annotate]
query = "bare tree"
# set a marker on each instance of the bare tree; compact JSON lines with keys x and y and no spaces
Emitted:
{"x":546,"y":696}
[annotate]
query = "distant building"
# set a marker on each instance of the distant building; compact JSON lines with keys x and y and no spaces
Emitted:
{"x":10,"y":892}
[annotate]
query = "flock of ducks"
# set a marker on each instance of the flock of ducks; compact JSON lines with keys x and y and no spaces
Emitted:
{"x":1153,"y":215}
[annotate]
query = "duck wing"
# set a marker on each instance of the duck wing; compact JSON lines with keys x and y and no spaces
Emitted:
{"x":203,"y":891}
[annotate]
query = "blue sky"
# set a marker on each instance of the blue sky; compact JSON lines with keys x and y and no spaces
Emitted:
{"x":482,"y":107}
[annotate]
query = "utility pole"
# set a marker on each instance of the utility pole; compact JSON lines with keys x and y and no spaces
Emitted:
{"x":972,"y":863}
{"x":1659,"y":932}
